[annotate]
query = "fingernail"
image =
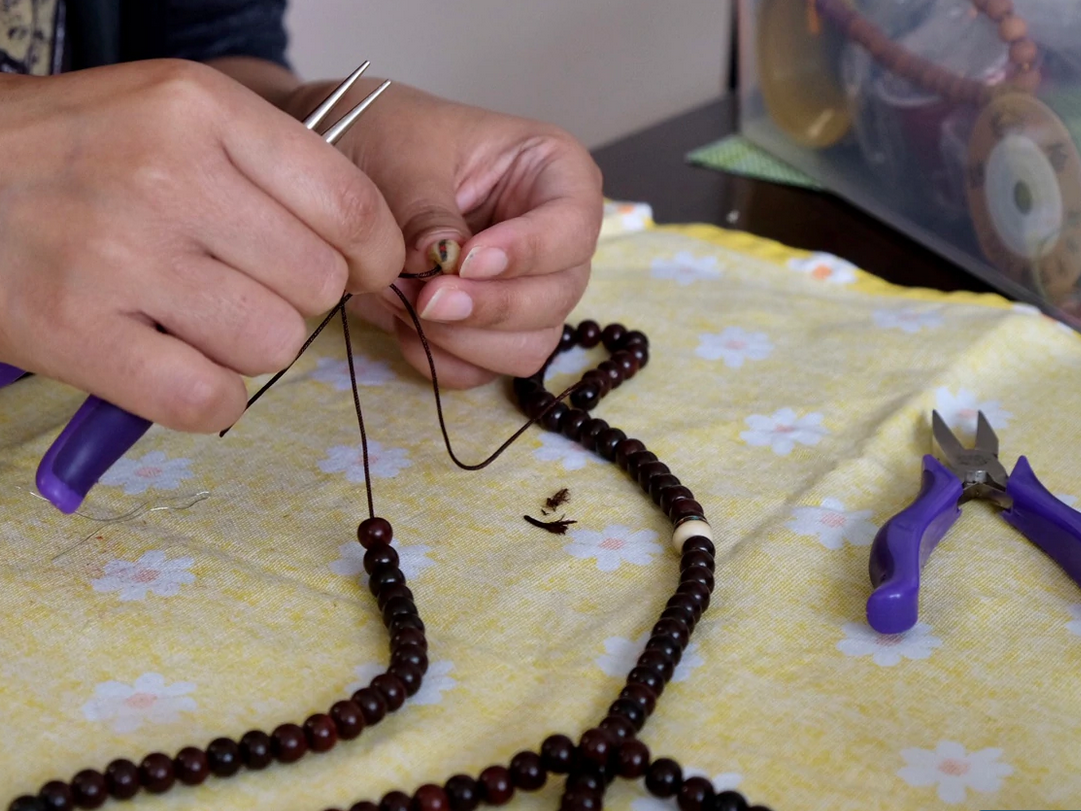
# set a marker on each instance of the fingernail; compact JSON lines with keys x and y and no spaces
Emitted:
{"x":444,"y":253}
{"x":448,"y":304}
{"x":483,"y":263}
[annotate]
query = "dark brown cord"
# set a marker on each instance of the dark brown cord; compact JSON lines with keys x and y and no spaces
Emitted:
{"x":425,"y":275}
{"x":360,"y":415}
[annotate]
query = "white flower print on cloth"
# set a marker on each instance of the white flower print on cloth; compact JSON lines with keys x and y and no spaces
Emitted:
{"x":621,"y":654}
{"x":148,"y":700}
{"x":887,"y":650}
{"x":336,"y":372}
{"x":727,"y":781}
{"x":384,"y":463}
{"x":571,"y":362}
{"x":153,"y":471}
{"x":613,"y":546}
{"x":783,"y":430}
{"x":152,"y":573}
{"x":909,"y":319}
{"x":832,"y":524}
{"x":825,"y":267}
{"x":557,"y":448}
{"x":629,"y":217}
{"x":954,"y":770}
{"x":412,"y":560}
{"x":1066,"y":499}
{"x":1074,"y":625}
{"x":685,"y":268}
{"x":436,"y":681}
{"x":960,"y":410}
{"x":734,"y":345}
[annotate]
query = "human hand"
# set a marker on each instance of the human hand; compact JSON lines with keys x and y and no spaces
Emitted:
{"x":164,"y":231}
{"x":522,"y":199}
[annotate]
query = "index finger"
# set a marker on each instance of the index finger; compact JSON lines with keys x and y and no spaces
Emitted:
{"x":556,"y":224}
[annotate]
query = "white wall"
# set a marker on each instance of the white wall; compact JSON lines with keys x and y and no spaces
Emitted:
{"x":599,"y":68}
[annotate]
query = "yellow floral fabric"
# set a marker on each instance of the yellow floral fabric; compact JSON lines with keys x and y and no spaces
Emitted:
{"x":790,"y":391}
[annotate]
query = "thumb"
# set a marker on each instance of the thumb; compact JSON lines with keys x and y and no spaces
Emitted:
{"x":433,"y":227}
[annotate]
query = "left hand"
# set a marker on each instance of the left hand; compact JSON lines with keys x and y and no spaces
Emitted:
{"x":521,"y":198}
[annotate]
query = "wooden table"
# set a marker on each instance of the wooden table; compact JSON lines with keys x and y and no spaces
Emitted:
{"x":650,"y":166}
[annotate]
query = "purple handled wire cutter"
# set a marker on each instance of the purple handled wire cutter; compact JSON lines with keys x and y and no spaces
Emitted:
{"x":100,"y":433}
{"x":952,"y":475}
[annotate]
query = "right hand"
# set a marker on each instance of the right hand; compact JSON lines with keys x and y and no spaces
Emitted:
{"x":164,"y":194}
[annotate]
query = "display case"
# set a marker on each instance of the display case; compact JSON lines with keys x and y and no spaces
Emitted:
{"x":957,"y":122}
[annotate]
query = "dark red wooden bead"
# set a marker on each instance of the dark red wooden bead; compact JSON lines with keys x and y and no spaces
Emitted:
{"x":619,"y":726}
{"x":673,"y":628}
{"x":683,"y":613}
{"x":223,"y":757}
{"x":495,"y":785}
{"x":607,"y":441}
{"x":568,"y":339}
{"x":640,"y":354}
{"x":626,"y":448}
{"x":612,"y":334}
{"x":374,"y":532}
{"x":660,"y":483}
{"x":670,"y":495}
{"x":683,"y":600}
{"x":612,"y":371}
{"x":664,"y":778}
{"x":633,"y":338}
{"x":372,"y":705}
{"x":405,"y":621}
{"x":380,"y":555}
{"x":580,"y":799}
{"x":633,"y":712}
{"x":603,"y":381}
{"x":557,"y":754}
{"x":524,"y":386}
{"x":289,"y":743}
{"x":729,"y":801}
{"x":573,"y":422}
{"x":156,"y":773}
{"x":409,"y":675}
{"x":364,"y":805}
{"x":122,"y":779}
{"x":698,"y":575}
{"x":348,"y":719}
{"x":699,"y":543}
{"x":462,"y":792}
{"x":383,"y":577}
{"x":636,"y":460}
{"x":588,"y":780}
{"x":696,"y":794}
{"x":320,"y":732}
{"x":640,"y":695}
{"x":667,"y":646}
{"x":398,"y":605}
{"x":430,"y":797}
{"x":696,"y":557}
{"x":648,"y":471}
{"x":527,"y":772}
{"x":190,"y":766}
{"x":632,"y":759}
{"x":535,"y":404}
{"x":390,"y":592}
{"x":588,"y":435}
{"x":392,"y":690}
{"x":596,"y":746}
{"x":553,"y":420}
{"x":26,"y":803}
{"x":586,"y":396}
{"x":395,"y":801}
{"x":57,"y":795}
{"x":685,"y":508}
{"x":588,"y":334}
{"x":658,"y":662}
{"x":647,"y":676}
{"x":409,"y":636}
{"x":626,"y":362}
{"x":696,"y":591}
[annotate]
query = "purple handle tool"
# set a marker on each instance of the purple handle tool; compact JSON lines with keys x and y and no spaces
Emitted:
{"x":98,"y":435}
{"x":1044,"y":520}
{"x":9,"y":374}
{"x":903,"y":545}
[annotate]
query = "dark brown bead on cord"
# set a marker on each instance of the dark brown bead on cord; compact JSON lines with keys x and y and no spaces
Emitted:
{"x":409,"y":675}
{"x":699,"y":575}
{"x":657,"y":661}
{"x":612,"y":371}
{"x":574,"y":421}
{"x":557,"y":754}
{"x":729,"y":801}
{"x":675,"y":630}
{"x":587,"y":780}
{"x":618,"y":726}
{"x":607,"y":441}
{"x":626,"y":448}
{"x":603,"y":381}
{"x":568,"y":339}
{"x":647,"y":676}
{"x":660,"y":483}
{"x":590,"y":431}
{"x":670,"y":496}
{"x":430,"y":797}
{"x":626,"y":362}
{"x":535,"y":404}
{"x":348,"y":719}
{"x":26,"y":803}
{"x":696,"y":557}
{"x":380,"y":555}
{"x":397,"y":605}
{"x":401,"y":622}
{"x":495,"y":785}
{"x":664,"y":778}
{"x":586,"y":396}
{"x":390,"y":592}
{"x":588,"y":334}
{"x":57,"y":795}
{"x":640,"y":695}
{"x":636,"y":460}
{"x":553,"y":420}
{"x":680,"y":612}
{"x":122,"y":779}
{"x":596,"y":746}
{"x":581,"y":799}
{"x":320,"y":732}
{"x":409,"y":636}
{"x":372,"y":705}
{"x":392,"y":690}
{"x":632,"y":759}
{"x":255,"y":750}
{"x":156,"y":773}
{"x":611,"y":336}
{"x":699,"y":543}
{"x":395,"y":801}
{"x":633,"y":712}
{"x":667,"y":646}
{"x":223,"y":757}
{"x":289,"y":743}
{"x":190,"y":766}
{"x":374,"y":532}
{"x":527,"y":771}
{"x":648,"y":471}
{"x":685,"y":508}
{"x":462,"y":793}
{"x":364,"y":805}
{"x":696,"y":794}
{"x":383,"y":577}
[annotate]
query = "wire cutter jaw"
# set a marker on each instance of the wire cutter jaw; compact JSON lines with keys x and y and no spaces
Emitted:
{"x":979,"y":470}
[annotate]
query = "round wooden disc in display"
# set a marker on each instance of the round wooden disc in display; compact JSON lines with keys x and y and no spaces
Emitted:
{"x":1023,"y":181}
{"x":799,"y":75}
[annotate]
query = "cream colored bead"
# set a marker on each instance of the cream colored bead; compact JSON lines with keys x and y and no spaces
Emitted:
{"x":688,"y":529}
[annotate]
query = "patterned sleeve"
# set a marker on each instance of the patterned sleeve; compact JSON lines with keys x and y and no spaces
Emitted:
{"x":206,"y":29}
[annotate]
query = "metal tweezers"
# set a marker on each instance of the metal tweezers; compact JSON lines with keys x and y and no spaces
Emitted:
{"x":100,"y":433}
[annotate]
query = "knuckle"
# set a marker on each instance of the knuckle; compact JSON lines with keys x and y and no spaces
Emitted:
{"x":182,"y":91}
{"x":281,"y":341}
